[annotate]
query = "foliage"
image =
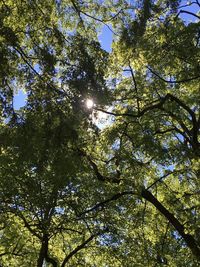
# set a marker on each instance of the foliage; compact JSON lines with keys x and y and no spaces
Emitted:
{"x":78,"y":193}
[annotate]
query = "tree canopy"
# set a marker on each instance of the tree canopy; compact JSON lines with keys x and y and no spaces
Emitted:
{"x":116,"y":184}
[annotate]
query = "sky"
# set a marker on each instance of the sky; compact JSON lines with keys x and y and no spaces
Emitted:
{"x":105,"y":39}
{"x":19,"y":100}
{"x":193,"y":8}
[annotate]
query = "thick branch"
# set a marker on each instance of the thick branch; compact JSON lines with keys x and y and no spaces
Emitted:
{"x":100,"y":177}
{"x":189,"y":13}
{"x":73,"y":252}
{"x":154,"y":106}
{"x":189,"y":239}
{"x":103,"y":203}
{"x":183,"y":105}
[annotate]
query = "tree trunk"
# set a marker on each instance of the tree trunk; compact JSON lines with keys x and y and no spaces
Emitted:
{"x":43,"y":255}
{"x":43,"y":251}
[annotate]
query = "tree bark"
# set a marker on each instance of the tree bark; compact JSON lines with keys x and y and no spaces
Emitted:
{"x":43,"y":255}
{"x":189,"y":239}
{"x":43,"y":251}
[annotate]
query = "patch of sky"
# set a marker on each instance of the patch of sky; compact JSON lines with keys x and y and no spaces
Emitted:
{"x":116,"y":144}
{"x":59,"y":210}
{"x":190,"y":7}
{"x":19,"y":100}
{"x":106,"y":38}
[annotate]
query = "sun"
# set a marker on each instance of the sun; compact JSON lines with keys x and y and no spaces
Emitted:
{"x":89,"y":103}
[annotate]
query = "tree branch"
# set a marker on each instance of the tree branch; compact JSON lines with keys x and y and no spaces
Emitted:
{"x":189,"y":239}
{"x":73,"y":252}
{"x":103,"y":203}
{"x":190,"y":13}
{"x":164,"y":176}
{"x":154,"y":106}
{"x":99,"y":176}
{"x":135,"y":85}
{"x":79,"y":11}
{"x":173,"y":82}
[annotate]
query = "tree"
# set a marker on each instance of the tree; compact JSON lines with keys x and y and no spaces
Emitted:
{"x":73,"y":194}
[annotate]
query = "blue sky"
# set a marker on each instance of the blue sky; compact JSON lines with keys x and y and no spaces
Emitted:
{"x":194,"y":8}
{"x":19,"y":100}
{"x":105,"y":39}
